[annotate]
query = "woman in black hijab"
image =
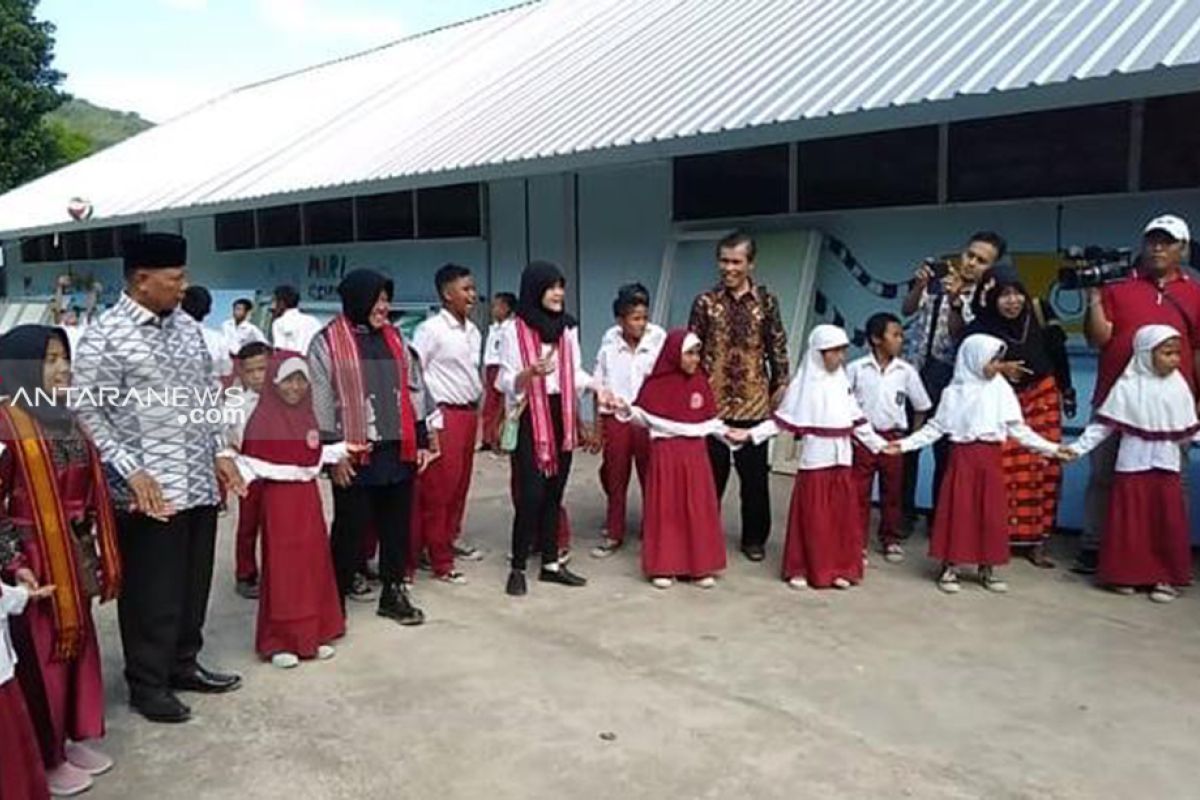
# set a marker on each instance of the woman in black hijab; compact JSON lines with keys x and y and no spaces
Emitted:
{"x":1035,"y":339}
{"x":541,"y":378}
{"x":367,"y":389}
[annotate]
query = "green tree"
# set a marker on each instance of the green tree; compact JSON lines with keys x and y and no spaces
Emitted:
{"x":28,"y":90}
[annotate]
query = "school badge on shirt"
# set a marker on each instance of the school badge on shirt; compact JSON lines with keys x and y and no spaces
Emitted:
{"x":697,"y":401}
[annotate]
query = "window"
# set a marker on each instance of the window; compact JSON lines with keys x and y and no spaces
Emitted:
{"x":385,"y":216}
{"x":31,"y":249}
{"x":877,"y":169}
{"x":1045,"y":154}
{"x":75,"y":245}
{"x":329,"y":222}
{"x":54,"y":247}
{"x":736,"y":183}
{"x":100,"y":243}
{"x":1171,"y":142}
{"x":448,"y":211}
{"x":279,"y":226}
{"x":235,"y":230}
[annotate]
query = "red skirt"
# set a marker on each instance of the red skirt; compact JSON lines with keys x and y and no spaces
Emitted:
{"x":1145,"y":540}
{"x":298,"y":606}
{"x":681,"y":527}
{"x":970,"y":520}
{"x":824,"y":538}
{"x":23,"y":777}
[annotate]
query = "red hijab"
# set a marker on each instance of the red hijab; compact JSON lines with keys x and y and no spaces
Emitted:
{"x":671,"y":393}
{"x":278,"y":432}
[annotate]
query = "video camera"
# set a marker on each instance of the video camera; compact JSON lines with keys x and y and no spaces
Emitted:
{"x":1094,"y":266}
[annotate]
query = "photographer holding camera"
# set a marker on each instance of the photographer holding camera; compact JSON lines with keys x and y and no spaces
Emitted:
{"x":941,"y":296}
{"x":1159,"y":292}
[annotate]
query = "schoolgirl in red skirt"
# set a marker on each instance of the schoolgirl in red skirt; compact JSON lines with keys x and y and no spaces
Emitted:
{"x":1145,"y":538}
{"x":23,"y":776}
{"x":825,"y":522}
{"x":682,"y":536}
{"x":978,"y":411}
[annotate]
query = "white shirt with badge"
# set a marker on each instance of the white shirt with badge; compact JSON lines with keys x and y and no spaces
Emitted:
{"x":449,"y":349}
{"x":882,"y":392}
{"x":294,"y":330}
{"x":491,"y":350}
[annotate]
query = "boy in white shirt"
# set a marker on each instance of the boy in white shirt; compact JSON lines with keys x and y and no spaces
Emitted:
{"x":884,"y":384}
{"x":449,"y":345}
{"x":627,"y":355}
{"x":239,"y":330}
{"x":503,"y":306}
{"x":292,"y":329}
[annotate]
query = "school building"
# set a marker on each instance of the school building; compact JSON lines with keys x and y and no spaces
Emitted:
{"x":621,"y":138}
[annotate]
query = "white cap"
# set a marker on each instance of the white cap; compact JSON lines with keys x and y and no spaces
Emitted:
{"x":1171,"y":225}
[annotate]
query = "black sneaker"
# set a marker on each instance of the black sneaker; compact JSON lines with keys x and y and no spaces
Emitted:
{"x":395,"y":604}
{"x":562,"y":576}
{"x":1086,"y":563}
{"x":516,"y":583}
{"x":362,"y":591}
{"x":247,"y":589}
{"x":754,"y":552}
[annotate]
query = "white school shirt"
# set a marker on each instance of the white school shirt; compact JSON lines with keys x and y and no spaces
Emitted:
{"x":663,"y":428}
{"x":241,"y":335}
{"x":491,"y":349}
{"x":883,"y":392}
{"x":12,"y":602}
{"x":622,"y":369}
{"x":218,"y":348}
{"x":1134,"y":454}
{"x":510,"y":367}
{"x":1025,"y":436}
{"x":253,"y":469}
{"x":235,"y":430}
{"x":449,"y":354}
{"x":294,"y":330}
{"x":823,"y":452}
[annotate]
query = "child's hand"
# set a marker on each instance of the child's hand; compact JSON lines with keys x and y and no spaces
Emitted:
{"x":893,"y":449}
{"x":1066,"y":454}
{"x":42,"y":592}
{"x":737,"y":435}
{"x":354,"y":448}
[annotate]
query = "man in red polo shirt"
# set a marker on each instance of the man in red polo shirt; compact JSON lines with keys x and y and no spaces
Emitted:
{"x":1161,"y":293}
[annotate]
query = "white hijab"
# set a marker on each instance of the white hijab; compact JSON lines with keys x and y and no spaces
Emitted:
{"x":818,"y":401}
{"x":1144,"y":403}
{"x":975,"y":407}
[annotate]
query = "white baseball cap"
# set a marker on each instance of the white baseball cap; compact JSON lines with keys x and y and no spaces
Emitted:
{"x":1170,"y":224}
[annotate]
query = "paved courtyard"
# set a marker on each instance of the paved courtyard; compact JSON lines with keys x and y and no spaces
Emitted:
{"x":750,"y":690}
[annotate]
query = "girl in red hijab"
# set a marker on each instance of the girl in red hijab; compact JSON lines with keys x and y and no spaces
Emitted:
{"x":299,"y":612}
{"x":682,"y":535}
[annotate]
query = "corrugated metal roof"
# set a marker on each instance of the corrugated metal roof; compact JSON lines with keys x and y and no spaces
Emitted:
{"x":560,"y":77}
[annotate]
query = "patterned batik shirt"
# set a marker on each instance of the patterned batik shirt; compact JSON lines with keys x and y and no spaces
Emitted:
{"x":744,"y":350}
{"x":144,"y":388}
{"x":917,"y":345}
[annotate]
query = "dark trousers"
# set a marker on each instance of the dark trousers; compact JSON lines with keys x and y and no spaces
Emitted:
{"x":538,"y":497}
{"x":168,"y":572}
{"x":356,"y":509}
{"x":754,"y":473}
{"x":936,"y":376}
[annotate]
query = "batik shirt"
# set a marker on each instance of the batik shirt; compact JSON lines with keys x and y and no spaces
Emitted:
{"x":744,"y":350}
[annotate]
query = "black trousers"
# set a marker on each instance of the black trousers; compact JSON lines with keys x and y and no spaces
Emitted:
{"x":754,"y":473}
{"x":538,"y":497}
{"x":389,"y":508}
{"x":936,"y":376}
{"x":168,"y":573}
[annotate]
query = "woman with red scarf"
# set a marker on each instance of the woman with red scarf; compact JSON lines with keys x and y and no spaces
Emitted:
{"x":682,"y":535}
{"x":541,"y":378}
{"x":56,"y":529}
{"x":298,"y":609}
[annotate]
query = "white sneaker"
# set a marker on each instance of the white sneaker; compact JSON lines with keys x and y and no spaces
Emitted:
{"x":1124,"y":591}
{"x":707,"y":582}
{"x":456,"y":578}
{"x":797,"y":583}
{"x":285,"y":660}
{"x":68,"y":780}
{"x":841,"y":583}
{"x":326,"y":652}
{"x":88,"y":759}
{"x":893,"y":553}
{"x":1163,"y":593}
{"x":606,"y":548}
{"x":948,"y":582}
{"x":663,"y":583}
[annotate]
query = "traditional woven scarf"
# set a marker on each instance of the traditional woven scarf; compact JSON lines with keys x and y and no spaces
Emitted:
{"x":351,"y":388}
{"x":27,"y":442}
{"x":544,"y":447}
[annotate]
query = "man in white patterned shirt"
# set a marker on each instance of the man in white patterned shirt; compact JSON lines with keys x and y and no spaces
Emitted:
{"x":144,"y":389}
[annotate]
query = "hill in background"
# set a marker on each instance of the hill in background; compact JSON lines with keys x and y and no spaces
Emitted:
{"x":81,"y":128}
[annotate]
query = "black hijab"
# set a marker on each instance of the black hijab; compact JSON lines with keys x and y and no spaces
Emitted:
{"x":22,"y":356}
{"x":535,"y":280}
{"x":359,"y":290}
{"x":1024,"y":336}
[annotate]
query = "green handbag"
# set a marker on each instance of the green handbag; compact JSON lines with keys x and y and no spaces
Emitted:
{"x":511,"y":429}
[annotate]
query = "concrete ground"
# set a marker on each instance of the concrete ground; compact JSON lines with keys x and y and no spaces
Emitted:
{"x":750,"y":690}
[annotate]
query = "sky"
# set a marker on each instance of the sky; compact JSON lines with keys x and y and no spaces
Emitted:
{"x":163,"y":57}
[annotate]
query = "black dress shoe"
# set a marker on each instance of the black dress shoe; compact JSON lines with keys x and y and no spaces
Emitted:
{"x":394,"y":603}
{"x":754,"y":552}
{"x":160,"y":706}
{"x":562,"y":575}
{"x":516,"y":583}
{"x":206,"y":681}
{"x":1086,"y":563}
